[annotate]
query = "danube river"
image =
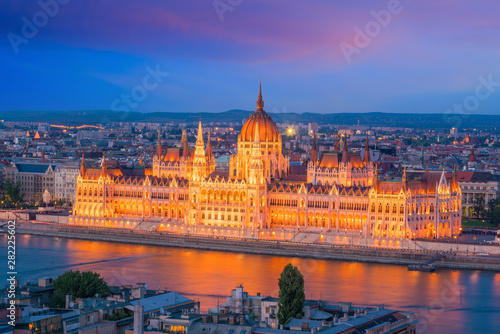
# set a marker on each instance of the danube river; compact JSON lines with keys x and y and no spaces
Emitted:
{"x":446,"y":302}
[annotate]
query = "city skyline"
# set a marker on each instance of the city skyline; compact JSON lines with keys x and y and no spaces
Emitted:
{"x":409,"y":56}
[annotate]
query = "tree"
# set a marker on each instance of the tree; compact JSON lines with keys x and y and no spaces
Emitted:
{"x":291,"y":295}
{"x":78,"y":284}
{"x":493,"y":213}
{"x":478,"y":205}
{"x":12,"y":192}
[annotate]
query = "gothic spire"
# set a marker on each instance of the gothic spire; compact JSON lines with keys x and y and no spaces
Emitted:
{"x":83,"y":170}
{"x":199,"y":139}
{"x":345,"y":152}
{"x":104,"y":170}
{"x":404,"y":180}
{"x":260,"y":102}
{"x":336,"y":147}
{"x":158,"y":146}
{"x":185,"y":144}
{"x":209,"y":147}
{"x":367,"y":150}
{"x":314,"y":151}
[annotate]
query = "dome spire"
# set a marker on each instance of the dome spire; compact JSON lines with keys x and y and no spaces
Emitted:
{"x":260,"y":102}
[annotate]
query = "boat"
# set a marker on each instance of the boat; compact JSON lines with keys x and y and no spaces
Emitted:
{"x":422,"y":267}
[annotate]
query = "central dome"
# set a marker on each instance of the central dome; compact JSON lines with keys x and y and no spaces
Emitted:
{"x":268,"y":130}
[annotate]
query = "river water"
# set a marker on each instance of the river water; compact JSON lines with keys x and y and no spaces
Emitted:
{"x":447,"y":301}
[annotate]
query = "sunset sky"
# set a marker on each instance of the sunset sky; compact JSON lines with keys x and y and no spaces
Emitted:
{"x":424,"y":58}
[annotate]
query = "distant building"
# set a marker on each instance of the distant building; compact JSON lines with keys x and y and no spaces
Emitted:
{"x":240,"y":315}
{"x":34,"y":178}
{"x":473,"y":184}
{"x":65,"y":181}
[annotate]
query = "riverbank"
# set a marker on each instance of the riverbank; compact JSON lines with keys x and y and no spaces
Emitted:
{"x":263,"y":247}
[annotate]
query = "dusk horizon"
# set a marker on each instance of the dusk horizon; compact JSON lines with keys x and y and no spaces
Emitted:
{"x":378,"y":56}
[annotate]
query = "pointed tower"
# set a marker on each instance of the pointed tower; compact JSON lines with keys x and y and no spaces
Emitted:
{"x":209,"y":147}
{"x":422,"y":158}
{"x":159,"y":153}
{"x":314,"y":151}
{"x":83,"y":170}
{"x":336,"y":146}
{"x":200,"y":144}
{"x":366,"y":158}
{"x":104,"y":170}
{"x":200,"y":159}
{"x":141,"y":163}
{"x":454,"y":180}
{"x":345,"y":153}
{"x":404,"y":180}
{"x":185,"y":145}
{"x":427,"y":168}
{"x":375,"y":178}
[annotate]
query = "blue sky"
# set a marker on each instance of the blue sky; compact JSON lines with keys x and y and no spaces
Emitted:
{"x":420,"y":57}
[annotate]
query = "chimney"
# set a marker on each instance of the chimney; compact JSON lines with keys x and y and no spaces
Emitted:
{"x":242,"y":320}
{"x":204,"y":318}
{"x":215,"y":319}
{"x":258,"y":294}
{"x":305,"y":326}
{"x":138,"y":319}
{"x":231,"y":319}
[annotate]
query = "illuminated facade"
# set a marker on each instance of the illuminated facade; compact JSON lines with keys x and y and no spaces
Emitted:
{"x":342,"y":192}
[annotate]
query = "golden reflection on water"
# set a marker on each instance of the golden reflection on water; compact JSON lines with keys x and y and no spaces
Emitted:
{"x":210,"y":276}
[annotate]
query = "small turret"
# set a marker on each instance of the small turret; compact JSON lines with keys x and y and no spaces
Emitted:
{"x":345,"y":152}
{"x":83,"y":170}
{"x":454,"y":180}
{"x":375,"y":178}
{"x":159,"y":153}
{"x":314,"y":151}
{"x":209,"y":147}
{"x":404,"y":180}
{"x":185,"y":145}
{"x":336,"y":146}
{"x":366,"y":157}
{"x":104,"y":170}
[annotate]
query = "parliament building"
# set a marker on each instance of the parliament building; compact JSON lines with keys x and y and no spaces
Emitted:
{"x":260,"y":197}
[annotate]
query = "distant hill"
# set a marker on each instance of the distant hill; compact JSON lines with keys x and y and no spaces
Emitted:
{"x":427,"y":121}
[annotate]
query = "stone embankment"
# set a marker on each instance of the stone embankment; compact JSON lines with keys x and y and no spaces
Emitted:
{"x":275,"y":248}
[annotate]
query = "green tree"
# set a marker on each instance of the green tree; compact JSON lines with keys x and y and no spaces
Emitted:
{"x":478,"y":205}
{"x":291,"y":295}
{"x":493,"y":213}
{"x":12,"y":192}
{"x":78,"y":284}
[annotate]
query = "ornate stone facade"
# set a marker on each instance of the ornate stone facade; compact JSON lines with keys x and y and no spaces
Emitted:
{"x":341,"y":193}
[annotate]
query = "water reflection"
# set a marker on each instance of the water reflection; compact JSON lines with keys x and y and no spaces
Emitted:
{"x":447,"y":301}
